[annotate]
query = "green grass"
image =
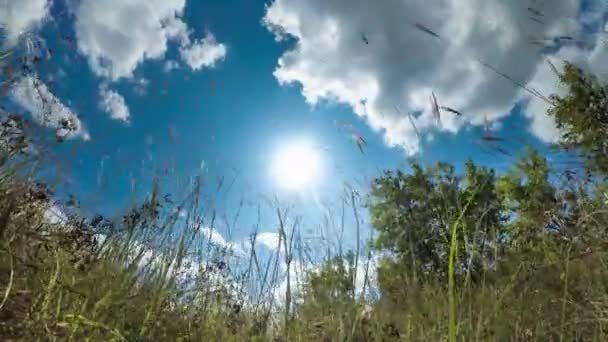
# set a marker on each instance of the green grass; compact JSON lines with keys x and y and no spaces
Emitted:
{"x":57,"y":285}
{"x":155,"y":276}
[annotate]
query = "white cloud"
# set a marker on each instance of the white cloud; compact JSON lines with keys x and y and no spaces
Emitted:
{"x":176,"y":29}
{"x":400,"y":65}
{"x":204,"y":53}
{"x":218,"y":240}
{"x":270,"y":240}
{"x":18,"y":16}
{"x":541,"y":125}
{"x":114,"y":104}
{"x":117,"y":36}
{"x":592,"y":59}
{"x":596,"y":60}
{"x":46,"y":109}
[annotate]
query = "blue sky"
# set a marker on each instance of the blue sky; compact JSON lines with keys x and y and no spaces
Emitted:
{"x":240,"y":106}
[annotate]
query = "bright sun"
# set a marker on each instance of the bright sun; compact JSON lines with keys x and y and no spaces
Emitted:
{"x":297,"y":166}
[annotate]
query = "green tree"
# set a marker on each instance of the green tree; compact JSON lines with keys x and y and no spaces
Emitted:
{"x":545,"y":214}
{"x":413,"y":214}
{"x":529,"y":198}
{"x":582,"y":116}
{"x":555,"y":230}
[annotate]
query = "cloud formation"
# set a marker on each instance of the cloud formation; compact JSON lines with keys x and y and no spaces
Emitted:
{"x":269,"y":240}
{"x":114,"y":104}
{"x":374,"y":59}
{"x":117,"y":36}
{"x":46,"y":109}
{"x":19,"y":16}
{"x":204,"y":53}
{"x":591,"y":55}
{"x":216,"y":238}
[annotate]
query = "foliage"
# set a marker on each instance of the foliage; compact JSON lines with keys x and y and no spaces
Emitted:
{"x":328,"y":302}
{"x":537,"y":250}
{"x":582,"y":116}
{"x":529,"y":252}
{"x":414,"y":214}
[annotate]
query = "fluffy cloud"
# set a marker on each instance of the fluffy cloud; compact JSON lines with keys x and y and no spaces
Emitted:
{"x":546,"y":81}
{"x":591,"y":57}
{"x":269,"y":240}
{"x":34,"y":96}
{"x":204,"y":53}
{"x":114,"y":104}
{"x":372,"y":58}
{"x":218,"y":240}
{"x":18,"y":16}
{"x":117,"y":36}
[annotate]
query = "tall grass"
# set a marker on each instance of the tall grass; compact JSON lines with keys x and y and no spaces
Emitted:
{"x":452,"y":324}
{"x":153,"y":274}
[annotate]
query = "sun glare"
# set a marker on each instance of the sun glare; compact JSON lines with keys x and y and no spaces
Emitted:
{"x":297,"y":166}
